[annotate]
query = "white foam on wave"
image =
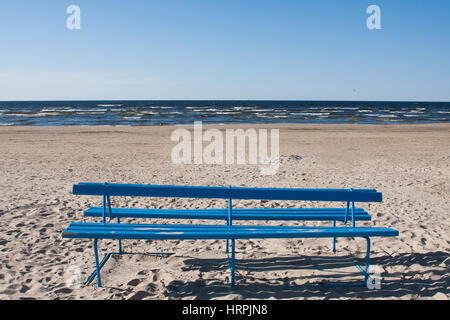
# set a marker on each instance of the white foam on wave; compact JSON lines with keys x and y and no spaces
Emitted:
{"x":59,"y":110}
{"x":49,"y":114}
{"x":242,"y":108}
{"x":280,"y":116}
{"x":196,"y":107}
{"x":264,"y":110}
{"x":26,"y":114}
{"x":92,"y":110}
{"x":311,"y":113}
{"x":88,"y":113}
{"x":387,"y":116}
{"x":263,"y":115}
{"x":150,"y":112}
{"x":133,"y":117}
{"x":226,"y":112}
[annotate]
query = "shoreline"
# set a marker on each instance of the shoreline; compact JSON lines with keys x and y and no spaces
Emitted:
{"x":244,"y":124}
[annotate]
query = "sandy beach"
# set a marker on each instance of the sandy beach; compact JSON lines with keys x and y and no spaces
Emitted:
{"x":409,"y":164}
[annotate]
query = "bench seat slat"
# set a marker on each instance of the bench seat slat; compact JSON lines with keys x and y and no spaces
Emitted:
{"x":153,"y":232}
{"x":304,"y":214}
{"x":97,"y":189}
{"x":118,"y":226}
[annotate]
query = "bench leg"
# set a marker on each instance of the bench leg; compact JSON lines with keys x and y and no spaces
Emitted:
{"x":97,"y":267}
{"x":232,"y":266}
{"x":120,"y":247}
{"x":366,"y":271}
{"x":120,"y":241}
{"x":334,"y":239}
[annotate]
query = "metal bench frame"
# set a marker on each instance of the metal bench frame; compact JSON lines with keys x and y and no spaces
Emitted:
{"x":107,"y":190}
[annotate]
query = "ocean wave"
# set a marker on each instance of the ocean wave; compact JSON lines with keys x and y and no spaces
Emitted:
{"x":241,"y":108}
{"x":73,"y":110}
{"x":92,"y":110}
{"x":59,"y":110}
{"x":150,"y":112}
{"x":387,"y":116}
{"x":311,"y":113}
{"x":226,"y":112}
{"x":49,"y":114}
{"x":26,"y":114}
{"x":279,"y":116}
{"x":263,"y":110}
{"x":263,"y":115}
{"x":83,"y":113}
{"x":132,"y":117}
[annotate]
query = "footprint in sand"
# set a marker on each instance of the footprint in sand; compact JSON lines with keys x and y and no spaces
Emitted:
{"x":156,"y":276}
{"x":134,"y":282}
{"x":139,"y":295}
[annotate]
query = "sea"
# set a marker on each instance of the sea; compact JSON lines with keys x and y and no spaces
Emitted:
{"x":153,"y":112}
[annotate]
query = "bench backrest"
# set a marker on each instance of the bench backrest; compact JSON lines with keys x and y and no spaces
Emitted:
{"x":106,"y":189}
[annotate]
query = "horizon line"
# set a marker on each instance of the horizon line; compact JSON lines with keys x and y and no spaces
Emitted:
{"x":282,"y":100}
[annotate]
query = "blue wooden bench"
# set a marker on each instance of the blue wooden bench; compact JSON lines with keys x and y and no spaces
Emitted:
{"x":267,"y":214}
{"x":120,"y":231}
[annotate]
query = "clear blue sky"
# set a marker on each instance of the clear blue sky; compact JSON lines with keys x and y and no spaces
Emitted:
{"x":225,"y":49}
